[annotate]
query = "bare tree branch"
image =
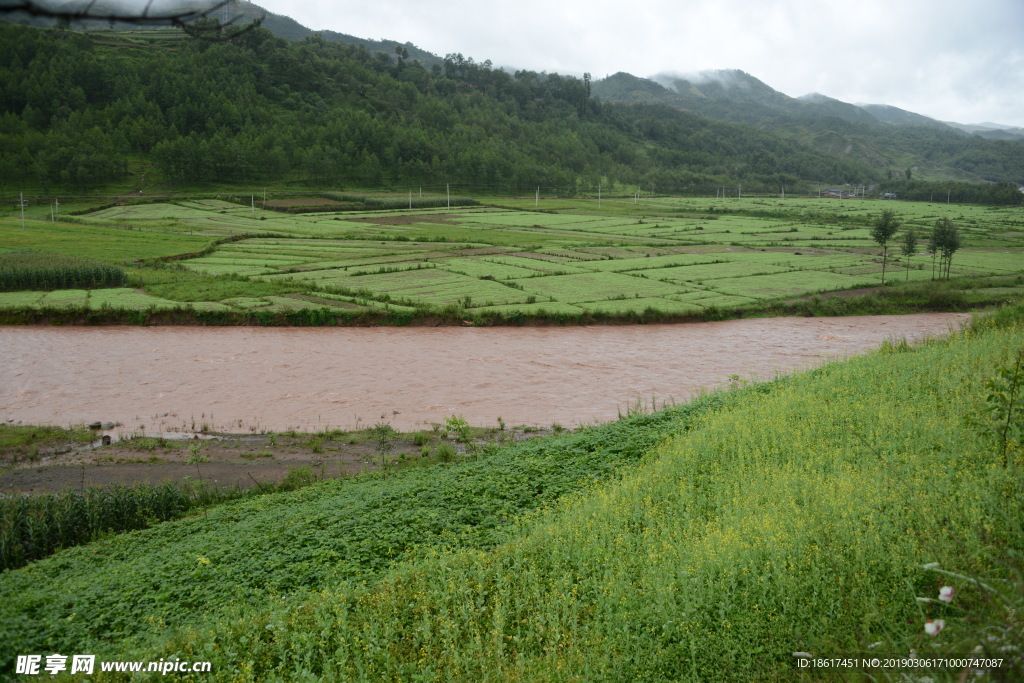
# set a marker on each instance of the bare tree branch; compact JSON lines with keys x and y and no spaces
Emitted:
{"x":199,"y":23}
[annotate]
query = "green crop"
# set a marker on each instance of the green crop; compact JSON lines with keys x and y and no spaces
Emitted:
{"x":494,"y":265}
{"x":38,"y":271}
{"x":35,"y":526}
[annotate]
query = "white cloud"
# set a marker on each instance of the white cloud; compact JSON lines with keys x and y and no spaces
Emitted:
{"x":942,"y":58}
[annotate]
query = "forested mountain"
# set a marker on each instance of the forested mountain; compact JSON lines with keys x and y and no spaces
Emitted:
{"x":886,"y":138}
{"x":78,"y":111}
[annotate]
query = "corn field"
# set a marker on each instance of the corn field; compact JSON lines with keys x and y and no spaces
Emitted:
{"x":32,"y":527}
{"x":24,"y":270}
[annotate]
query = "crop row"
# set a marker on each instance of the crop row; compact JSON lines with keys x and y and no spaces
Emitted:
{"x":32,"y":527}
{"x":497,"y":257}
{"x":37,"y":271}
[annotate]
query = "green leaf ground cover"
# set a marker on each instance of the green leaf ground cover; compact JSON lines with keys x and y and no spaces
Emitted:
{"x":179,"y":574}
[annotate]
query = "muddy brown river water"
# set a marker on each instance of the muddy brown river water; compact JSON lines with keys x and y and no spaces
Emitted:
{"x":161,"y":379}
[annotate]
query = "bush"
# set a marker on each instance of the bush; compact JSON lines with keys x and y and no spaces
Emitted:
{"x":444,"y":452}
{"x":297,"y":478}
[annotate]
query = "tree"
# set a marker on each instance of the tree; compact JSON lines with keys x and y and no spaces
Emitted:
{"x":934,"y":242}
{"x":945,"y":240}
{"x":950,"y":245}
{"x":909,"y":247}
{"x":882,"y":231}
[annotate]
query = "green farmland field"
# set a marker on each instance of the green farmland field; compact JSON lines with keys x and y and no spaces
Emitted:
{"x":567,"y":259}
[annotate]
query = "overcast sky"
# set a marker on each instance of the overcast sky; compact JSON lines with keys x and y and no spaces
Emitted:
{"x":953,"y":60}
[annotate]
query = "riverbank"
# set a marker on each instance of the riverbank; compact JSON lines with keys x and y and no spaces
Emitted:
{"x":972,"y":295}
{"x":40,"y":459}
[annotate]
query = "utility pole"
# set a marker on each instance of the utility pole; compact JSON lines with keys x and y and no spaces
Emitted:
{"x":21,"y":202}
{"x":599,"y":195}
{"x":448,"y":193}
{"x":536,"y":201}
{"x":410,"y":199}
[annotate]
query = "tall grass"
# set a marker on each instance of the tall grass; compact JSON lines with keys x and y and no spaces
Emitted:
{"x":21,"y":270}
{"x":32,"y":527}
{"x":798,"y":520}
{"x":30,"y":442}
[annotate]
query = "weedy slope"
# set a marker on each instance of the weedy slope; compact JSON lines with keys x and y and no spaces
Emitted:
{"x":803,"y":517}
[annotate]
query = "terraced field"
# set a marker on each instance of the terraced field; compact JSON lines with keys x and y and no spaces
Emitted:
{"x":666,"y":256}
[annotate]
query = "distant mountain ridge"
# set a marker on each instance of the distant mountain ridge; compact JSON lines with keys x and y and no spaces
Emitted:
{"x":708,"y":92}
{"x":881,"y":135}
{"x":735,"y":95}
{"x":994,"y":131}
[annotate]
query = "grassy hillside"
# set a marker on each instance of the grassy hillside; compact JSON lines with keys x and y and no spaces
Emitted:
{"x":713,"y":540}
{"x":802,"y":518}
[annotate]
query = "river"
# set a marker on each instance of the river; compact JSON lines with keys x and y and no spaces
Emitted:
{"x":163,"y":379}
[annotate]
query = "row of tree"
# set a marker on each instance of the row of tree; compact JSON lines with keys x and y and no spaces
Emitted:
{"x":954,"y":192}
{"x":943,"y":242}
